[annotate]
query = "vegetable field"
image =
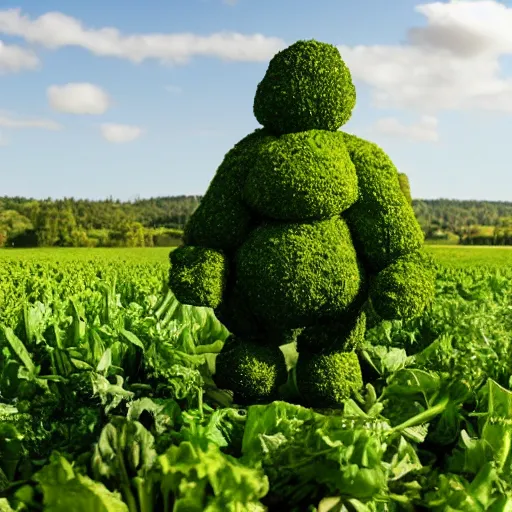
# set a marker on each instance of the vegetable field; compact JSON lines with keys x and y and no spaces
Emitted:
{"x":108,"y":399}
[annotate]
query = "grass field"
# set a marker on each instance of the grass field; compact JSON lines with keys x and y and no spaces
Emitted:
{"x":467,"y":255}
{"x":451,"y":255}
{"x":132,"y":255}
{"x":108,"y":399}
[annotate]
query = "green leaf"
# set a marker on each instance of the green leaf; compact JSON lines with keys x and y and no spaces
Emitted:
{"x":20,"y":350}
{"x":4,"y":505}
{"x":105,"y":362}
{"x":132,"y":338}
{"x":64,"y":491}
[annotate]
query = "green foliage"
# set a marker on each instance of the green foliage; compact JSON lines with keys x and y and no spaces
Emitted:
{"x":327,"y":379}
{"x":469,"y":256}
{"x":317,"y":462}
{"x":200,"y":478}
{"x":307,"y":86}
{"x":301,"y":176}
{"x":82,"y":223}
{"x":117,"y":381}
{"x":405,"y":186}
{"x":292,"y":274}
{"x":129,"y":234}
{"x":340,"y":334}
{"x":64,"y":489}
{"x":466,"y":220}
{"x":234,"y":312}
{"x":405,"y":288}
{"x":161,"y":215}
{"x":56,"y":225}
{"x":307,"y":274}
{"x":222,"y":220}
{"x":253,"y":370}
{"x":198,"y":276}
{"x":12,"y":224}
{"x":382,"y":221}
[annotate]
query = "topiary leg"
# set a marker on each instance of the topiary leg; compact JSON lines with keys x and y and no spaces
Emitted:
{"x":328,"y":369}
{"x":253,"y":371}
{"x":344,"y":334}
{"x":326,"y":379}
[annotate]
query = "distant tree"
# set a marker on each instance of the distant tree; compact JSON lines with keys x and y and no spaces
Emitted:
{"x":47,"y":225}
{"x":129,"y":234}
{"x":135,"y":235}
{"x":149,"y":240}
{"x":79,"y":238}
{"x":78,"y":222}
{"x":67,"y":232}
{"x":12,"y":223}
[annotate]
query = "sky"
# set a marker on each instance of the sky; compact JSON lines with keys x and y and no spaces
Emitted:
{"x":135,"y":99}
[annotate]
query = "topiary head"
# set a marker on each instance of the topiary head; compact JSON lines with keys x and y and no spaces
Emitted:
{"x":307,"y":86}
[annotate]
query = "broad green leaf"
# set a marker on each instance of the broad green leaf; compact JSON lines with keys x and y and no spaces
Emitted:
{"x":20,"y":350}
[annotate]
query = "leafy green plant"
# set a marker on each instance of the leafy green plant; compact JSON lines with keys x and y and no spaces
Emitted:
{"x":109,"y":404}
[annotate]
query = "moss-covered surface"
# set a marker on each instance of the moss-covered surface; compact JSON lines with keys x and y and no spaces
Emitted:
{"x":223,"y":220}
{"x":197,"y":276}
{"x":326,"y":379}
{"x":301,"y":176}
{"x":304,"y":224}
{"x":253,"y":371}
{"x":405,"y":186}
{"x":382,"y":221}
{"x":307,"y":86}
{"x":344,"y":334}
{"x":294,"y":274}
{"x":405,"y":288}
{"x":234,"y":312}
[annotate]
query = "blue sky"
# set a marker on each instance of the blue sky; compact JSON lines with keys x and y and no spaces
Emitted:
{"x":90,"y":112}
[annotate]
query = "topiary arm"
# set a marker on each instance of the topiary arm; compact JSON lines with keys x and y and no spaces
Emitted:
{"x":387,"y":235}
{"x":219,"y":225}
{"x":381,"y":221}
{"x":405,"y":288}
{"x":198,"y":275}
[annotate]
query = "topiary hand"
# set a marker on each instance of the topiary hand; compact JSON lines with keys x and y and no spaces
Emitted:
{"x":405,"y":287}
{"x":198,"y":275}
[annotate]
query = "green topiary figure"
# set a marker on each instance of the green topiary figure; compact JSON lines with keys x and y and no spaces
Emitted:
{"x":304,"y":229}
{"x":403,"y":180}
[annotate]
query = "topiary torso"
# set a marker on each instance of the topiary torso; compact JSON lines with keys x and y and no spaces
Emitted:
{"x":298,"y":263}
{"x":293,"y":274}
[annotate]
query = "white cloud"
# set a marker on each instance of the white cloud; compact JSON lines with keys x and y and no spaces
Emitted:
{"x":78,"y":98}
{"x":119,"y":133}
{"x":424,"y":130}
{"x":14,"y":58}
{"x":56,"y":30}
{"x":452,"y":63}
{"x":10,"y":121}
{"x":465,"y":28}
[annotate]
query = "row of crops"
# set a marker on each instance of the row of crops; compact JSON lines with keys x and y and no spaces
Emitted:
{"x":108,"y":399}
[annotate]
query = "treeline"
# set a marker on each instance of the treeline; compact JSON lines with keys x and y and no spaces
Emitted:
{"x":81,"y":223}
{"x":160,"y":221}
{"x":465,"y":222}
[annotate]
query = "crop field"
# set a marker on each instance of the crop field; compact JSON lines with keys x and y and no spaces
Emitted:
{"x":461,"y":256}
{"x":108,"y":399}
